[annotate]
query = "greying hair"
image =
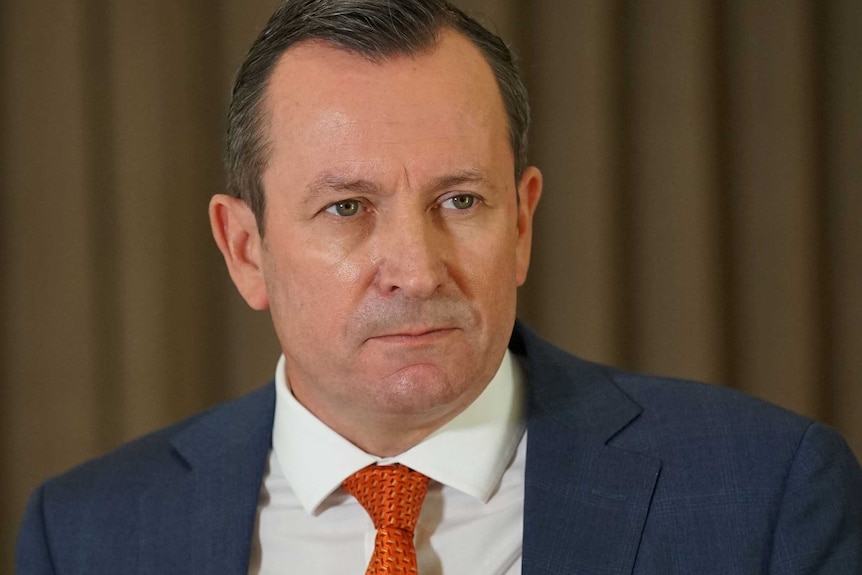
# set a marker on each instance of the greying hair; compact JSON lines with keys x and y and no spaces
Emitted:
{"x":374,"y":29}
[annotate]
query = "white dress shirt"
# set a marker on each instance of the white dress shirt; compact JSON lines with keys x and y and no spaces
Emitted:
{"x":472,"y":518}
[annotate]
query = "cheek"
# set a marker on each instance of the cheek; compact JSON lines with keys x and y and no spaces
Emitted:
{"x":313,"y":292}
{"x":489,"y":273}
{"x":347,"y":272}
{"x":313,"y":261}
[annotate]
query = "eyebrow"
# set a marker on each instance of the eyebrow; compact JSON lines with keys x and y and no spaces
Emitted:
{"x":333,"y":183}
{"x":467,"y":176}
{"x":330,"y":183}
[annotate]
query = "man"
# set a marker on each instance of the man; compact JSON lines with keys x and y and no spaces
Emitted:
{"x":382,"y":210}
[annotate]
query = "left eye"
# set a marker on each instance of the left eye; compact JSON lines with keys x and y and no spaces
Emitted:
{"x":462,"y":202}
{"x":346,"y":208}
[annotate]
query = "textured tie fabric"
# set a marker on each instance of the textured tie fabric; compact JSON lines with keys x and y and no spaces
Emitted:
{"x":392,"y":495}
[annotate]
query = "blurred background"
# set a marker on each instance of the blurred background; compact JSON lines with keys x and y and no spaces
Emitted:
{"x":702,"y":215}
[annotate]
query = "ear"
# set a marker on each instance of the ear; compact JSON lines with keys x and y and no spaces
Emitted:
{"x":235,"y":231}
{"x":529,"y":192}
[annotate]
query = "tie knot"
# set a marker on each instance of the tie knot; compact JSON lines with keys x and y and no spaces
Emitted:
{"x":391,"y":494}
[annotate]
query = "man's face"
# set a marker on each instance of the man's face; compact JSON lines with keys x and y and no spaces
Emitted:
{"x":394,"y":241}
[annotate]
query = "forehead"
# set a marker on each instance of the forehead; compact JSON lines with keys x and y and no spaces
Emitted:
{"x":321,"y":66}
{"x":321,"y":95}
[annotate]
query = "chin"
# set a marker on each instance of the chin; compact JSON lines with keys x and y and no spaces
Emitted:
{"x":421,"y":389}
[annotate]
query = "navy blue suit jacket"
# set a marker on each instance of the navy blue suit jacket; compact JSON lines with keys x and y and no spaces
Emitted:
{"x":625,"y":474}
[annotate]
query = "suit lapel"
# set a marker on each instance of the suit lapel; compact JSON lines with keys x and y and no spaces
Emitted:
{"x":212,"y":504}
{"x":585,"y":501}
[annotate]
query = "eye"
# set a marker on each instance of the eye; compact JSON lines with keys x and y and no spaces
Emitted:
{"x":345,"y":208}
{"x":461,"y":202}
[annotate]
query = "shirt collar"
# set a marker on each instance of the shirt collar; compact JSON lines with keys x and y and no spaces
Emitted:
{"x":470,"y":453}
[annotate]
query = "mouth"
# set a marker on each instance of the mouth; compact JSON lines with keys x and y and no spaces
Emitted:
{"x":413,"y":335}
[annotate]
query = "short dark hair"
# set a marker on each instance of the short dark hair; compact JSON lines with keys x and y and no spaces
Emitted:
{"x":374,"y":29}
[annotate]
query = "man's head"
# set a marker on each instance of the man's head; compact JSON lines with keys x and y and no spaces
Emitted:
{"x":396,"y":232}
{"x":373,"y":29}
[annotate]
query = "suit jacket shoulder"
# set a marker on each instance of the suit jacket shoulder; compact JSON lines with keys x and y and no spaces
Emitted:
{"x":137,"y":505}
{"x":644,"y":474}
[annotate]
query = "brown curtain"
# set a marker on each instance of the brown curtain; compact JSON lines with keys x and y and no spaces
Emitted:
{"x":702,"y":215}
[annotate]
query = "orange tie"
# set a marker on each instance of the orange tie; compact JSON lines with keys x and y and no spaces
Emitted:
{"x":392,"y":495}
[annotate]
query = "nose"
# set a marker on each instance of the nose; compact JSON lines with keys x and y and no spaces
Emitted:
{"x":410,"y":256}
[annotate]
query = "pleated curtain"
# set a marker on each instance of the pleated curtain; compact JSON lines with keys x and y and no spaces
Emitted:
{"x":702,"y":215}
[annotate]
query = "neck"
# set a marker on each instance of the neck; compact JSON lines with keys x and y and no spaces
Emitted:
{"x":386,"y":435}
